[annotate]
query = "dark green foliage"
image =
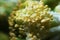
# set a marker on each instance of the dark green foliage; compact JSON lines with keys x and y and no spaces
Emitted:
{"x":5,"y":10}
{"x":3,"y":36}
{"x":51,"y":3}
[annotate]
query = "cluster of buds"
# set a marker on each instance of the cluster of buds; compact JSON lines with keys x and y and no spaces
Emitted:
{"x":34,"y":19}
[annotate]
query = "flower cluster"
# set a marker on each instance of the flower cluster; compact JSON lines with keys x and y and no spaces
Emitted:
{"x":33,"y":21}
